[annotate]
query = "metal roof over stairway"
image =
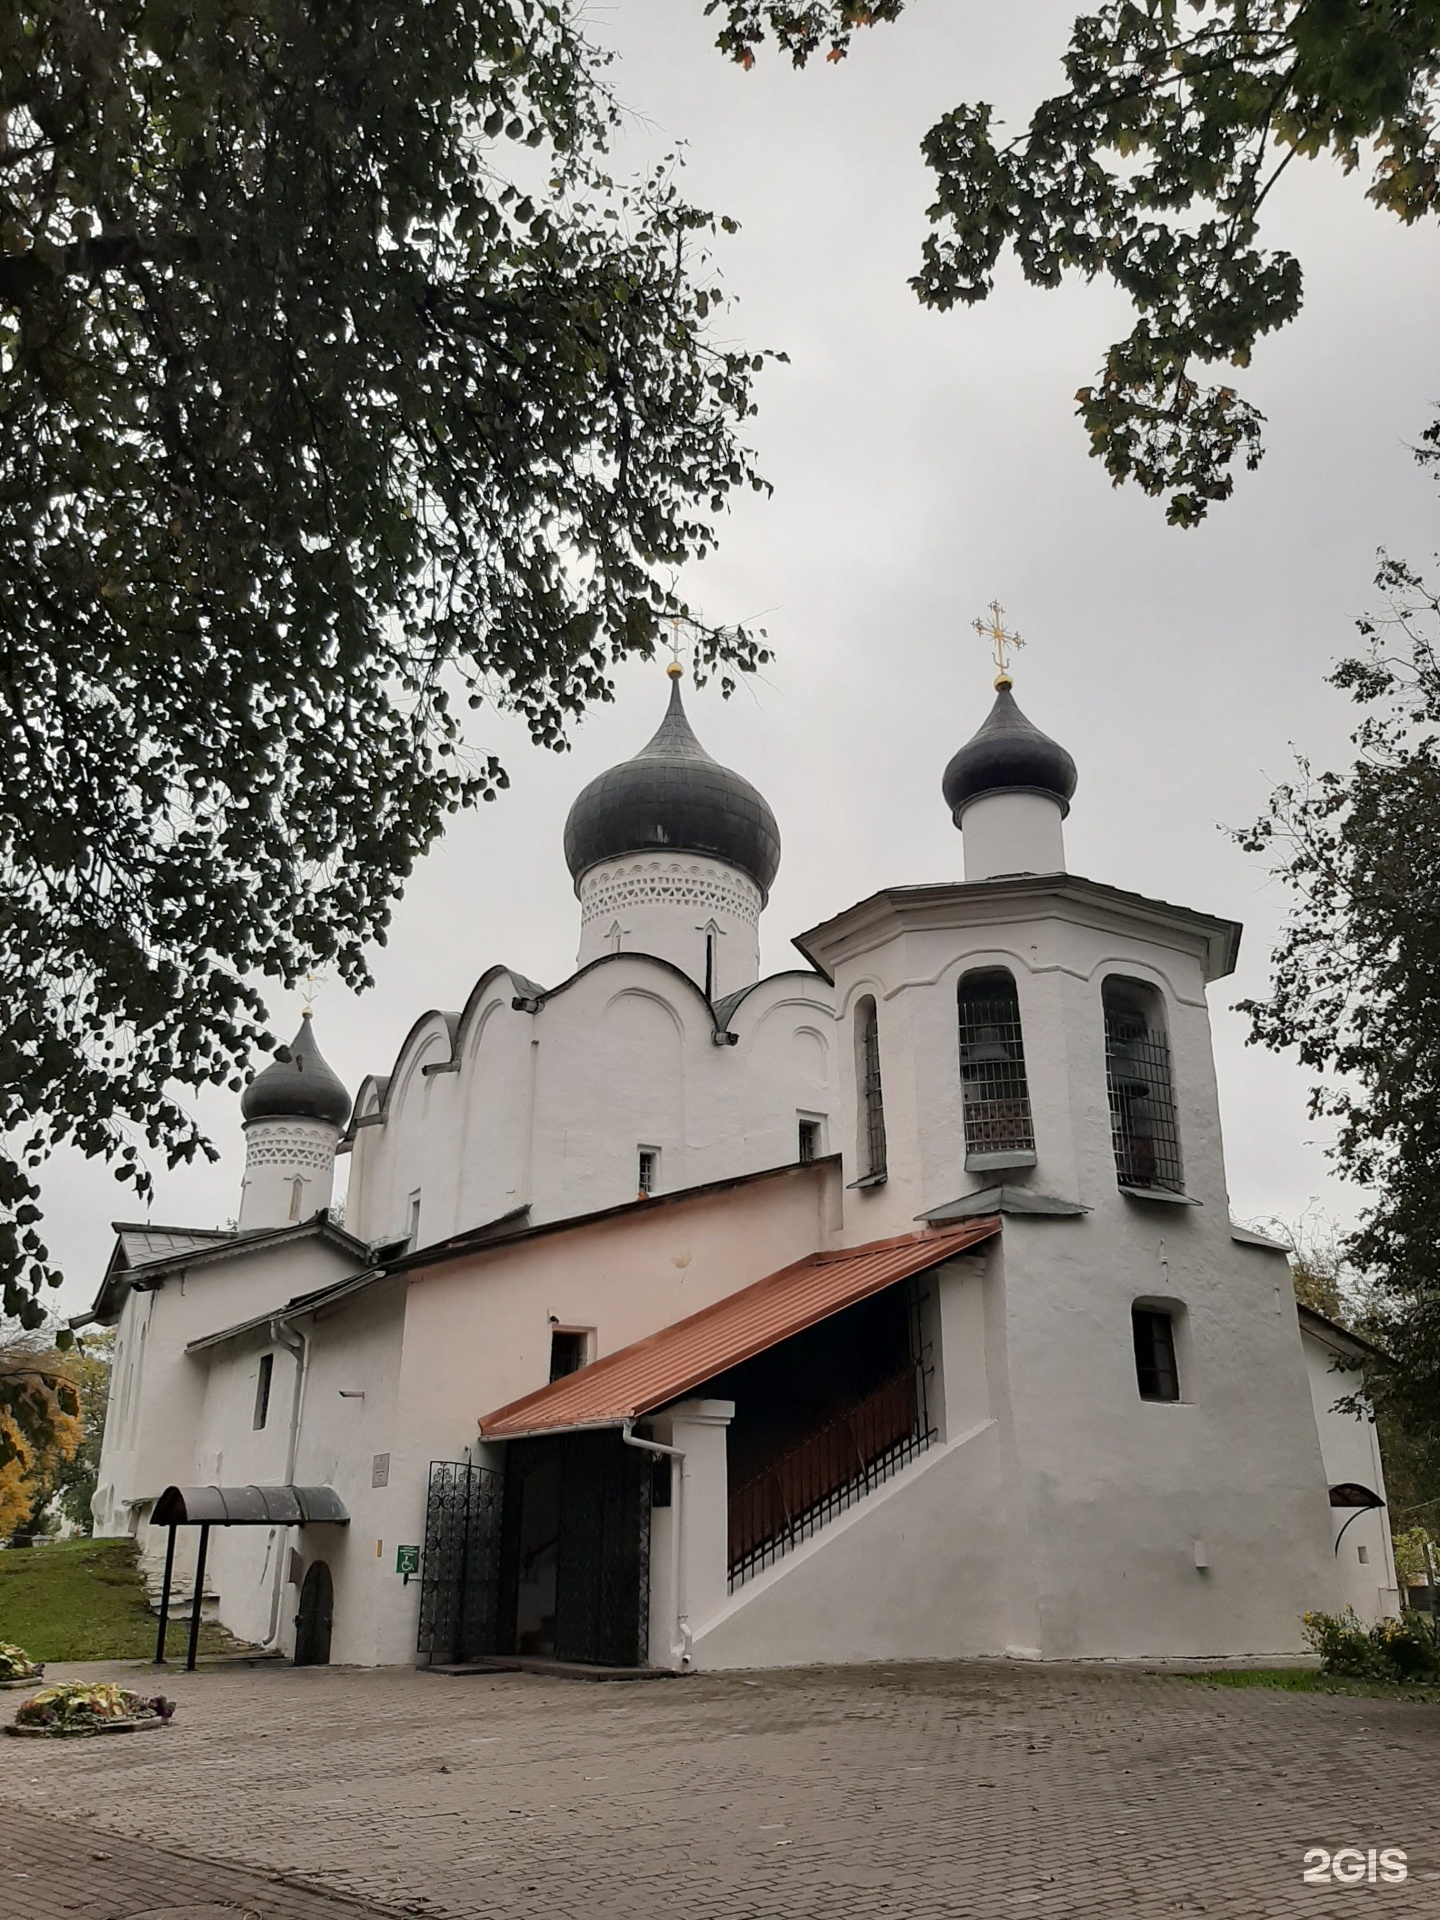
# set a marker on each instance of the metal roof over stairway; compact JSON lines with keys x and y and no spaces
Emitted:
{"x":667,"y":1365}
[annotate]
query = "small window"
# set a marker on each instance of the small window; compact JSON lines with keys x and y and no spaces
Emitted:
{"x":262,"y":1389}
{"x":1143,"y":1128}
{"x":809,"y":1143}
{"x":1364,"y":1553}
{"x":992,"y":1069}
{"x":415,"y":1218}
{"x":568,"y":1352}
{"x":872,"y":1100}
{"x":649,"y":1171}
{"x":1155,"y":1369}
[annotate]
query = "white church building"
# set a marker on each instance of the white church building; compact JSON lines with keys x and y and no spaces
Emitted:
{"x":888,"y":1307}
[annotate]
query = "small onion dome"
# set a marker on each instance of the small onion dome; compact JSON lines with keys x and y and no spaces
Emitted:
{"x":304,"y":1087}
{"x":672,"y":796}
{"x":1009,"y":755}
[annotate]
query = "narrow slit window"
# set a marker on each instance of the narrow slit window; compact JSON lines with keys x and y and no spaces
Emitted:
{"x":1156,"y":1373}
{"x":1143,"y":1125}
{"x":992,"y":1067}
{"x":648,"y":1171}
{"x":809,"y":1143}
{"x":262,"y":1389}
{"x":872,"y":1100}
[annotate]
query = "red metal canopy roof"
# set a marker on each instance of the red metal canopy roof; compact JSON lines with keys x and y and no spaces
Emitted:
{"x":678,"y":1359}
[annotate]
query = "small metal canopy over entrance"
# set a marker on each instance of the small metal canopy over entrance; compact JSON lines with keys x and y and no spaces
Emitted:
{"x":1350,"y":1493}
{"x":207,"y":1507}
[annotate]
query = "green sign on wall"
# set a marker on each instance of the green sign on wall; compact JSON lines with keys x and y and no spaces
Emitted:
{"x":407,"y":1561}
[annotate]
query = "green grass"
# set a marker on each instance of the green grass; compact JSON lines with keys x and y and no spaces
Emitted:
{"x":1308,"y":1680}
{"x":85,"y":1600}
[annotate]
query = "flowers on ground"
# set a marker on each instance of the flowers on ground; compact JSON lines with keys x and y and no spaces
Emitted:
{"x":16,"y":1664}
{"x":74,"y":1707}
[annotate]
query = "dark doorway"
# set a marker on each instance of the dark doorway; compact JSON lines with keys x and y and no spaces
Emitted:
{"x":315,"y":1618}
{"x":575,"y":1550}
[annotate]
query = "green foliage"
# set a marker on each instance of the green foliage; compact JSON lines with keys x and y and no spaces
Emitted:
{"x":66,"y":1491}
{"x":1395,"y":1650}
{"x":39,"y":1416}
{"x":1152,"y":169}
{"x":342,"y":392}
{"x":1415,"y":1554}
{"x":1356,"y":979}
{"x":85,"y":1600}
{"x":800,"y":27}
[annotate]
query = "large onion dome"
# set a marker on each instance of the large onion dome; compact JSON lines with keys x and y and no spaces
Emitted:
{"x":673,"y":797}
{"x":1008,"y":755}
{"x":304,"y":1087}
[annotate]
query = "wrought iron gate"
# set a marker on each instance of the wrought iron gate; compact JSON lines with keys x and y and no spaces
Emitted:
{"x":602,"y":1587}
{"x":459,"y":1576}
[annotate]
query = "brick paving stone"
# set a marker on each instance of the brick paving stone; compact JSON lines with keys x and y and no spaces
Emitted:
{"x":57,"y":1870}
{"x":980,"y":1789}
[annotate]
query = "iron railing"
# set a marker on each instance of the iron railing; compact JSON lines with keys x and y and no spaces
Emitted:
{"x":838,"y":1465}
{"x":1143,"y":1126}
{"x":992,"y":1072}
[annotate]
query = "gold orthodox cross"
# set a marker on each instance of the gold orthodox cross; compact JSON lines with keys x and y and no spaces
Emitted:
{"x":676,"y":624}
{"x":1002,"y":642}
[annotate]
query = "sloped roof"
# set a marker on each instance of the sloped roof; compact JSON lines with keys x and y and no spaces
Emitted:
{"x":664,"y":1366}
{"x":144,"y":1256}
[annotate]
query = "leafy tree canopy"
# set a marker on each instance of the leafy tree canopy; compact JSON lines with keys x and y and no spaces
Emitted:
{"x":1356,"y":982}
{"x":1152,"y":168}
{"x":341,"y":389}
{"x":40,"y":1419}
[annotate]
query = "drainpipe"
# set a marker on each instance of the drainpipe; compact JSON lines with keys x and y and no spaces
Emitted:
{"x":298,"y":1345}
{"x":680,"y":1645}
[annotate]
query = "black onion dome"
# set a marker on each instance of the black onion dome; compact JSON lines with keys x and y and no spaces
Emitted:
{"x":304,"y":1087}
{"x":1008,"y":755}
{"x":672,"y":796}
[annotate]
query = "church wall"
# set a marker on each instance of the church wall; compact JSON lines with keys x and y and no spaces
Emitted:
{"x":1119,"y":1490}
{"x":477,"y":1331}
{"x":551,"y":1109}
{"x":914,"y":1572}
{"x":348,"y":1417}
{"x":1350,"y":1448}
{"x":154,"y":1445}
{"x":1113,"y":1491}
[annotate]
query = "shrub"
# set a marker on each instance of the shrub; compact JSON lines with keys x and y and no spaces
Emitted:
{"x":1395,"y":1650}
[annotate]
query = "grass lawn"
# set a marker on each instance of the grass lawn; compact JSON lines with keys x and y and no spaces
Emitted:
{"x":1308,"y":1680}
{"x":85,"y":1600}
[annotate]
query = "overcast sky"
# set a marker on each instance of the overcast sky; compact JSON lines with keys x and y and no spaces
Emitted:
{"x":924,"y":464}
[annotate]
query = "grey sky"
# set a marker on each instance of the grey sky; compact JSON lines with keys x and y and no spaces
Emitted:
{"x":924,"y":464}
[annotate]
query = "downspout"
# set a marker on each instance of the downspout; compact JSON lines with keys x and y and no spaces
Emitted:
{"x":680,"y":1644}
{"x":297,"y":1345}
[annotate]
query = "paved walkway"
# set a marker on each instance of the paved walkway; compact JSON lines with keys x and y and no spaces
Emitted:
{"x":977,"y":1791}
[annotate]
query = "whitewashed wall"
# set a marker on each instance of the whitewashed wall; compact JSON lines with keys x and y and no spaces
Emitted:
{"x":1350,"y":1448}
{"x":549,"y":1109}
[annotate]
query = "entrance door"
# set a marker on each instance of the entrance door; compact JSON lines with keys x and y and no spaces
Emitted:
{"x":575,"y":1555}
{"x":316,"y":1615}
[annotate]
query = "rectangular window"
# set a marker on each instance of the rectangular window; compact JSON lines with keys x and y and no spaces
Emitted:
{"x":1143,"y":1127}
{"x":414,"y":1236}
{"x":809,"y":1141}
{"x":262,"y":1389}
{"x":992,"y":1068}
{"x":1155,"y":1368}
{"x":649,"y":1170}
{"x":567,"y":1352}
